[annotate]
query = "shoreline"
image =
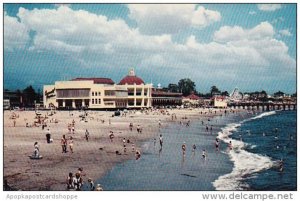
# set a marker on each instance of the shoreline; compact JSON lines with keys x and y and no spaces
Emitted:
{"x":25,"y":174}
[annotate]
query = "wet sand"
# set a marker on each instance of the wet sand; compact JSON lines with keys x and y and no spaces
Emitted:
{"x":96,"y":156}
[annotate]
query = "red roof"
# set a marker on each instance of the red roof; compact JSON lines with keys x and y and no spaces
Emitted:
{"x":192,"y":97}
{"x":96,"y":80}
{"x":131,"y":80}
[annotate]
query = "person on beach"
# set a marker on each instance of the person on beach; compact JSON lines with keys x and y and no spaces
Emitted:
{"x":159,"y":123}
{"x":111,"y":136}
{"x":137,"y":154}
{"x":36,"y":152}
{"x":138,"y":128}
{"x":133,"y":147}
{"x":183,"y":147}
{"x":71,"y":143}
{"x":73,"y":129}
{"x":124,"y":145}
{"x":80,"y":172}
{"x":63,"y":143}
{"x":217,"y":143}
{"x":130,"y":126}
{"x":154,"y":141}
{"x":70,"y":182}
{"x":206,"y":128}
{"x":161,"y":140}
{"x":69,"y":128}
{"x":14,"y":123}
{"x":91,"y":185}
{"x":87,"y":135}
{"x":78,"y":182}
{"x":48,"y":136}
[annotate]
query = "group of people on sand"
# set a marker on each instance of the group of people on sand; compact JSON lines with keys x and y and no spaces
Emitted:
{"x":71,"y":127}
{"x":75,"y":182}
{"x":64,"y":144}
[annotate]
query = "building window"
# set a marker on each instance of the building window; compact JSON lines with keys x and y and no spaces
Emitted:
{"x":99,"y":101}
{"x":92,"y":101}
{"x":99,"y":93}
{"x":96,"y":101}
{"x":110,"y":93}
{"x":92,"y":93}
{"x":96,"y":93}
{"x":138,"y":93}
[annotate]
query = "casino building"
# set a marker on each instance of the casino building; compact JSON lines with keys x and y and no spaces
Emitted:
{"x":99,"y":93}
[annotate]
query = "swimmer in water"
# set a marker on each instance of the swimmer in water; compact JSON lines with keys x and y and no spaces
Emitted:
{"x":230,"y":145}
{"x":217,"y":143}
{"x":204,"y":154}
{"x":264,"y":134}
{"x":194,"y":148}
{"x":240,"y":137}
{"x":281,"y":165}
{"x":160,"y":140}
{"x":183,"y":147}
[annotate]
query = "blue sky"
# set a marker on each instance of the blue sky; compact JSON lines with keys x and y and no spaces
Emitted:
{"x":249,"y":46}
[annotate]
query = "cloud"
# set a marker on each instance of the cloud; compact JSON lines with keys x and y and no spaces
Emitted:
{"x":257,"y":43}
{"x":285,"y":32}
{"x":268,"y":7}
{"x":96,"y":42}
{"x":16,"y":34}
{"x":171,"y":18}
{"x":236,"y":33}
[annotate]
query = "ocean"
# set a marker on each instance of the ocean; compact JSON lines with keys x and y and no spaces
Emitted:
{"x":259,"y":142}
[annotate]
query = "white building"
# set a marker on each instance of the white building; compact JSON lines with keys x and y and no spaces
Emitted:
{"x":219,"y":102}
{"x":98,"y":93}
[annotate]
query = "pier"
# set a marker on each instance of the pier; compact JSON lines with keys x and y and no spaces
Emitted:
{"x":264,"y":106}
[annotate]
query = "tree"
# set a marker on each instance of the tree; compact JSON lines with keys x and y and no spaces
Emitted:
{"x":278,"y":94}
{"x":214,"y":90}
{"x":29,"y":96}
{"x":225,"y":93}
{"x":173,"y":88}
{"x":186,"y":86}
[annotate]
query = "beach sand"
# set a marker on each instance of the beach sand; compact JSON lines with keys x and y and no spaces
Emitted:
{"x":96,"y":156}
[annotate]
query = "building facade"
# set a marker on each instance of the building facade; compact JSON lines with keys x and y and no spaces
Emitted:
{"x":98,"y":93}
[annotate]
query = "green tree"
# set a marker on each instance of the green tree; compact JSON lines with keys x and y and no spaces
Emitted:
{"x":214,"y":90}
{"x":173,"y":88}
{"x":186,"y":86}
{"x":29,"y":96}
{"x":225,"y":93}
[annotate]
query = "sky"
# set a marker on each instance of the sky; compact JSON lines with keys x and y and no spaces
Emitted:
{"x":249,"y":46}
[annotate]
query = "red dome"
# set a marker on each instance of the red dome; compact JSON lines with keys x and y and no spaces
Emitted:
{"x":131,"y":80}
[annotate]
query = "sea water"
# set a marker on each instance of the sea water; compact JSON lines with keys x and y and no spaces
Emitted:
{"x":259,"y":141}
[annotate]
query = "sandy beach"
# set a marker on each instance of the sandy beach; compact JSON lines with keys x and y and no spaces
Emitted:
{"x":96,"y":156}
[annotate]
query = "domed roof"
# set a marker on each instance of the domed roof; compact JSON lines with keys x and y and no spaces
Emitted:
{"x":131,"y":79}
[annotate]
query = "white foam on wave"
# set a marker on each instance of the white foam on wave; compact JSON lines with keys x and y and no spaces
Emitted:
{"x":263,"y":115}
{"x":245,"y":163}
